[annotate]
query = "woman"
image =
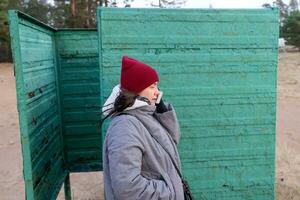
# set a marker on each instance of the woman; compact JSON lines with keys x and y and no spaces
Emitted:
{"x":139,"y":152}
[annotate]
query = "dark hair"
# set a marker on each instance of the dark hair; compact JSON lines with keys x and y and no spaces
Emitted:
{"x":124,"y":100}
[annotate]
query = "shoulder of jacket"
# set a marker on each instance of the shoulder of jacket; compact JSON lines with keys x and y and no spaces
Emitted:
{"x":124,"y":117}
{"x":126,"y":120}
{"x":124,"y":128}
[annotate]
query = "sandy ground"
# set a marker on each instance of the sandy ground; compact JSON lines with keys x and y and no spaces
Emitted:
{"x":88,"y":186}
{"x":288,"y":127}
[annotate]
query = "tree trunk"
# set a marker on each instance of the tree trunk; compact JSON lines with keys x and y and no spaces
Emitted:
{"x":73,"y":12}
{"x":73,"y":8}
{"x":87,"y":13}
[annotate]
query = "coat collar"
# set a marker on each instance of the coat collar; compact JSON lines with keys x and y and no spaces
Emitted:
{"x":109,"y":103}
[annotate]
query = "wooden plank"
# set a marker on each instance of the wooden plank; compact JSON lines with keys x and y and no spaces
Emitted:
{"x":17,"y":56}
{"x":50,"y":154}
{"x":218,"y":68}
{"x":226,"y":131}
{"x":40,"y":140}
{"x":33,"y":83}
{"x":84,"y":156}
{"x":41,"y":108}
{"x":50,"y":185}
{"x":81,"y":129}
{"x":196,"y":58}
{"x":186,"y":15}
{"x":38,"y":123}
{"x":80,"y":89}
{"x":83,"y":143}
{"x":88,"y":102}
{"x":83,"y":89}
{"x":34,"y":60}
{"x":212,"y":155}
{"x":81,"y":116}
{"x":91,"y":75}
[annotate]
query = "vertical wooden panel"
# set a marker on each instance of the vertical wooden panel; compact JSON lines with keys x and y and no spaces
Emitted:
{"x":80,"y":98}
{"x":38,"y":106}
{"x":218,"y":68}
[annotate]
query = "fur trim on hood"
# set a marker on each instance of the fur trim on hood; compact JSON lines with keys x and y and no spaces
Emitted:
{"x":109,"y":104}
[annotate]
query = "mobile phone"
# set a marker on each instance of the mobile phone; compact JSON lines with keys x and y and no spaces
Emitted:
{"x":159,"y":97}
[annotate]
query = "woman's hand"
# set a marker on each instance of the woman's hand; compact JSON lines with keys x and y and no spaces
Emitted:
{"x":161,"y":107}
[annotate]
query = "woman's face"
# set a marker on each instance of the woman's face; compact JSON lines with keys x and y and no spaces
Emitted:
{"x":150,"y":93}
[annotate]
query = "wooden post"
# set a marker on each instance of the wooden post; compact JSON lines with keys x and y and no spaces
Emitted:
{"x":67,"y":188}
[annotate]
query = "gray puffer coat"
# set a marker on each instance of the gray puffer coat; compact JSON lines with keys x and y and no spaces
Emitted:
{"x":135,"y":165}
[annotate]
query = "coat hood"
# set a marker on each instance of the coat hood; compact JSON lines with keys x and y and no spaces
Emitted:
{"x":109,"y":103}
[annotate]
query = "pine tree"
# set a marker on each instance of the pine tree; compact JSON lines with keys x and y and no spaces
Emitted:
{"x":5,"y":5}
{"x":291,"y":29}
{"x":3,"y":20}
{"x":84,"y":15}
{"x":166,"y":3}
{"x":283,"y":10}
{"x":39,"y":9}
{"x":59,"y":14}
{"x":120,"y":3}
{"x":171,"y":3}
{"x":294,"y":6}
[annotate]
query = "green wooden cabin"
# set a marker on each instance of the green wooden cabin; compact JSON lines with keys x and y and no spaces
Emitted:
{"x":217,"y":66}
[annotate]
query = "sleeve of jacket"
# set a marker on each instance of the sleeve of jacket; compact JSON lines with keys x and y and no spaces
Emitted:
{"x":125,"y":150}
{"x":169,"y":120}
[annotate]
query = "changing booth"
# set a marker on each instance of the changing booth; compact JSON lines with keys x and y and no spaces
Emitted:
{"x":218,"y":67}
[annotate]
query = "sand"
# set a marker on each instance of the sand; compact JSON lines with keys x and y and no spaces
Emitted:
{"x":88,"y":186}
{"x":288,"y":127}
{"x":11,"y":178}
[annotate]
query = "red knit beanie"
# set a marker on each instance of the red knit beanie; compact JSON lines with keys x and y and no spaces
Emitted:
{"x":136,"y":76}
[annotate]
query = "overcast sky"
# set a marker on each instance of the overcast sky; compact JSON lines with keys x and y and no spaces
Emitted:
{"x":216,"y":3}
{"x":208,"y":3}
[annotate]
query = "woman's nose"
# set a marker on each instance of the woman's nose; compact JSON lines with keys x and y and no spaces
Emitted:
{"x":156,"y":92}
